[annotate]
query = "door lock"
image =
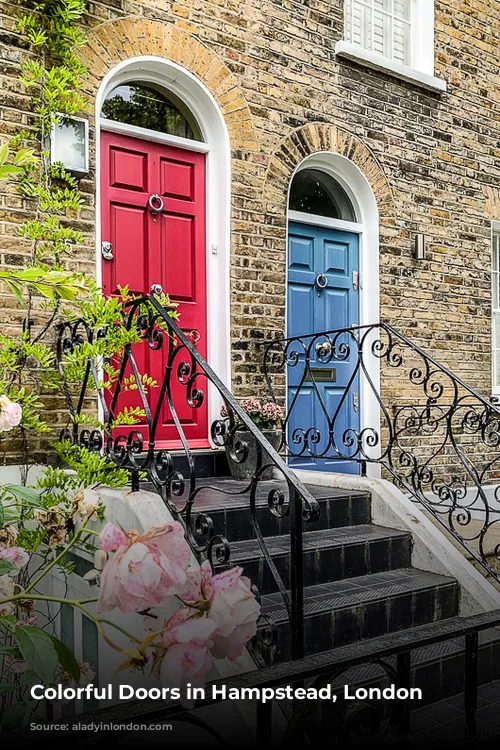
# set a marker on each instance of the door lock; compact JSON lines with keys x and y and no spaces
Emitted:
{"x":107,"y":250}
{"x":355,"y":280}
{"x":355,"y":401}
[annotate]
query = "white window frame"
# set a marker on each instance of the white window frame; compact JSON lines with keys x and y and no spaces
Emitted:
{"x":421,"y":69}
{"x":495,"y":277}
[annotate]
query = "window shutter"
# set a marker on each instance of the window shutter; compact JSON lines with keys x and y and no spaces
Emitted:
{"x":381,"y":26}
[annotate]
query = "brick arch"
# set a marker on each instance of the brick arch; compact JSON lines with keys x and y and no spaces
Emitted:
{"x":311,"y":139}
{"x":116,"y":41}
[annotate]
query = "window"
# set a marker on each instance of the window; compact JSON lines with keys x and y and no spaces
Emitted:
{"x":495,"y":305}
{"x":146,"y":106}
{"x":395,"y":36}
{"x":381,"y":26}
{"x":316,"y":192}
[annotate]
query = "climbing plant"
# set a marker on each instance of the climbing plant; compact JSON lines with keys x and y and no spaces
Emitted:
{"x":40,"y":525}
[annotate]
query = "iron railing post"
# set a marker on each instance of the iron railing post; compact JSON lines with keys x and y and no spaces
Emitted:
{"x":297,"y":575}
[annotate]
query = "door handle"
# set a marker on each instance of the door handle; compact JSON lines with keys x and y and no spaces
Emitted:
{"x":155,"y":204}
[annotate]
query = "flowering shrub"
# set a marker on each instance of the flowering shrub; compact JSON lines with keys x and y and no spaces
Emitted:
{"x":266,"y":416}
{"x":217,"y":616}
{"x":219,"y":613}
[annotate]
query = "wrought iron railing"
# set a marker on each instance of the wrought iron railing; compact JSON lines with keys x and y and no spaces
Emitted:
{"x":320,"y":722}
{"x":369,"y":395}
{"x":185,"y":377}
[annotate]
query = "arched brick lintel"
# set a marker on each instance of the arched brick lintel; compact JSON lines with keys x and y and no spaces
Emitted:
{"x":320,"y":137}
{"x":116,"y":41}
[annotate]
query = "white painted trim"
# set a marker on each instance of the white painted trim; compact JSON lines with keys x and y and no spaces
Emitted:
{"x":363,"y":200}
{"x":215,"y":136}
{"x":153,"y":136}
{"x":393,"y":68}
{"x":324,"y":221}
{"x":423,"y":38}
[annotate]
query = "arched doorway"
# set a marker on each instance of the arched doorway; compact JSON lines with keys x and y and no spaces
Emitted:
{"x":163,"y":159}
{"x":332,"y":248}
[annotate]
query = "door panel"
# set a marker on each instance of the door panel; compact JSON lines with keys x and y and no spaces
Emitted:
{"x":317,"y":250}
{"x":168,"y":248}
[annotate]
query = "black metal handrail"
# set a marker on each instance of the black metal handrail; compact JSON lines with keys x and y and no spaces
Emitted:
{"x":185,"y":367}
{"x":436,"y":436}
{"x":331,"y":667}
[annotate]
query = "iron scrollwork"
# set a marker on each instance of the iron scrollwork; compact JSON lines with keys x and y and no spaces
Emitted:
{"x":185,"y":377}
{"x":434,"y":435}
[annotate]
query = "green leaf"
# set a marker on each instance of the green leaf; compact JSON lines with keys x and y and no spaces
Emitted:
{"x":4,"y":152}
{"x":8,"y":620}
{"x":2,"y":515}
{"x":28,"y":495}
{"x":67,"y":659}
{"x":28,"y":678}
{"x":6,"y":687}
{"x":6,"y":567}
{"x":13,"y":717}
{"x":14,"y":289}
{"x":39,"y":652}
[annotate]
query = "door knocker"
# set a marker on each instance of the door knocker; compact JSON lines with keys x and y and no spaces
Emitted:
{"x":321,"y":282}
{"x":155,"y":204}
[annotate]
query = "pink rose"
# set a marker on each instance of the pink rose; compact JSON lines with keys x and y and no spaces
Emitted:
{"x":10,"y":414}
{"x":234,"y":609}
{"x":188,"y":641}
{"x":145,"y":569}
{"x":16,"y":556}
{"x":7,"y":589}
{"x":111,"y":538}
{"x":28,"y":623}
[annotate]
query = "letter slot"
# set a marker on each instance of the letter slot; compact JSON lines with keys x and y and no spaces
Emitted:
{"x":324,"y":374}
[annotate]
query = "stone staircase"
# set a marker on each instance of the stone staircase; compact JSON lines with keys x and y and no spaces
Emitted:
{"x":359,"y":581}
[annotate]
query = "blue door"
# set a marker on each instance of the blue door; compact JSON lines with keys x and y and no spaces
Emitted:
{"x":322,"y":257}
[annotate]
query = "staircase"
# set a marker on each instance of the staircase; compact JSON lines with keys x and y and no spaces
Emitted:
{"x":359,"y":581}
{"x":350,"y":582}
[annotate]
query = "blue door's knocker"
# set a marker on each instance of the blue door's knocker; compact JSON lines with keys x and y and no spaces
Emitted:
{"x":321,"y":282}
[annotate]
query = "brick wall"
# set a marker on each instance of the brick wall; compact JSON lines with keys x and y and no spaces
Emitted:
{"x":432,"y":159}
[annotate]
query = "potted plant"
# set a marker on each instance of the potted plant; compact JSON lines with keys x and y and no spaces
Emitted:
{"x":267,"y":418}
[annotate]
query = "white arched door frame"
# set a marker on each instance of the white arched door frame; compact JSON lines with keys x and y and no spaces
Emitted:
{"x":364,"y":202}
{"x":215,"y":143}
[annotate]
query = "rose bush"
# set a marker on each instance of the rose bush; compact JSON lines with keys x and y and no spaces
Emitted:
{"x":219,"y":613}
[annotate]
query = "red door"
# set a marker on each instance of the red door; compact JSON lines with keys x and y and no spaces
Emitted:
{"x":167,"y":248}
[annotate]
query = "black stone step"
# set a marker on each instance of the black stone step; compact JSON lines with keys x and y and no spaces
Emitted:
{"x":227,"y":503}
{"x":344,"y":612}
{"x":208,"y":462}
{"x":329,"y":555}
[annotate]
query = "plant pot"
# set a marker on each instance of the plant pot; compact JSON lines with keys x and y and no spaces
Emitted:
{"x":245,"y":471}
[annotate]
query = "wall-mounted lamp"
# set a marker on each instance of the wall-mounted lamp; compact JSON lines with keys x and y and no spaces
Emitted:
{"x":419,"y":247}
{"x":69,"y":144}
